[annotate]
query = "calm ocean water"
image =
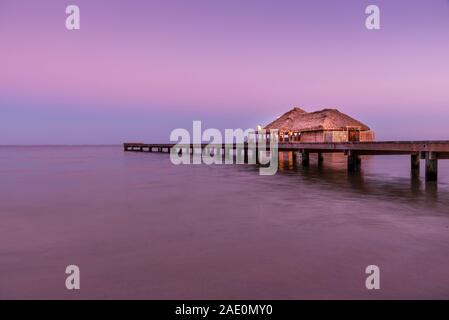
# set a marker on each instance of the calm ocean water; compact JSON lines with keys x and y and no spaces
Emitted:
{"x":140,"y":227}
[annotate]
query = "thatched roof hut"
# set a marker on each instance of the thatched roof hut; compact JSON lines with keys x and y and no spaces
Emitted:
{"x":327,"y":125}
{"x":327,"y":119}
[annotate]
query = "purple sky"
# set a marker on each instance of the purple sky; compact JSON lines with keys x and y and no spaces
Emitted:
{"x":138,"y":69}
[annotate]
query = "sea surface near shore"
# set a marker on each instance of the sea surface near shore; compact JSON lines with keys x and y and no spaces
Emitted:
{"x":141,"y":227}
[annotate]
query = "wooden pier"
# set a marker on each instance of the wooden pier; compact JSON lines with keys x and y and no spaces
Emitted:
{"x":430,"y":151}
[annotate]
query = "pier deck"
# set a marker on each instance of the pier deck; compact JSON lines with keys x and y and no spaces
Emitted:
{"x":431,"y":151}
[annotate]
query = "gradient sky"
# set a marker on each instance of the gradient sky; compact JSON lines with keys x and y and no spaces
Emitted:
{"x":138,"y":69}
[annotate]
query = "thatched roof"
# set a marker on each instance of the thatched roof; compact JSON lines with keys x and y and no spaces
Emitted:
{"x":287,"y":120}
{"x":326,"y":119}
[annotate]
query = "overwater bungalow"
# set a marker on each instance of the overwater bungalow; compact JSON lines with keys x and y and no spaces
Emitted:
{"x":327,"y":125}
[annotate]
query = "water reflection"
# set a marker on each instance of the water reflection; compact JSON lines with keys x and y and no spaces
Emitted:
{"x":370,"y":181}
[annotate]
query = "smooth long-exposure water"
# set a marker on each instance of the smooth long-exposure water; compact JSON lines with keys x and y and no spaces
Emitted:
{"x":140,"y":227}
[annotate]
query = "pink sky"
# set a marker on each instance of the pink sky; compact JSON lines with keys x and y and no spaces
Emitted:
{"x":138,"y":69}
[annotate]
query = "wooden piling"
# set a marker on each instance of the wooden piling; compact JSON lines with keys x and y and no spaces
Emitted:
{"x":245,"y":154}
{"x":257,"y":155}
{"x":431,"y":166}
{"x":320,"y":159}
{"x":354,"y":162}
{"x":415,"y":160}
{"x":305,"y":158}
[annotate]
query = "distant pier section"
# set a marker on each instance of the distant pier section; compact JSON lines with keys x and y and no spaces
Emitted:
{"x":430,"y":151}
